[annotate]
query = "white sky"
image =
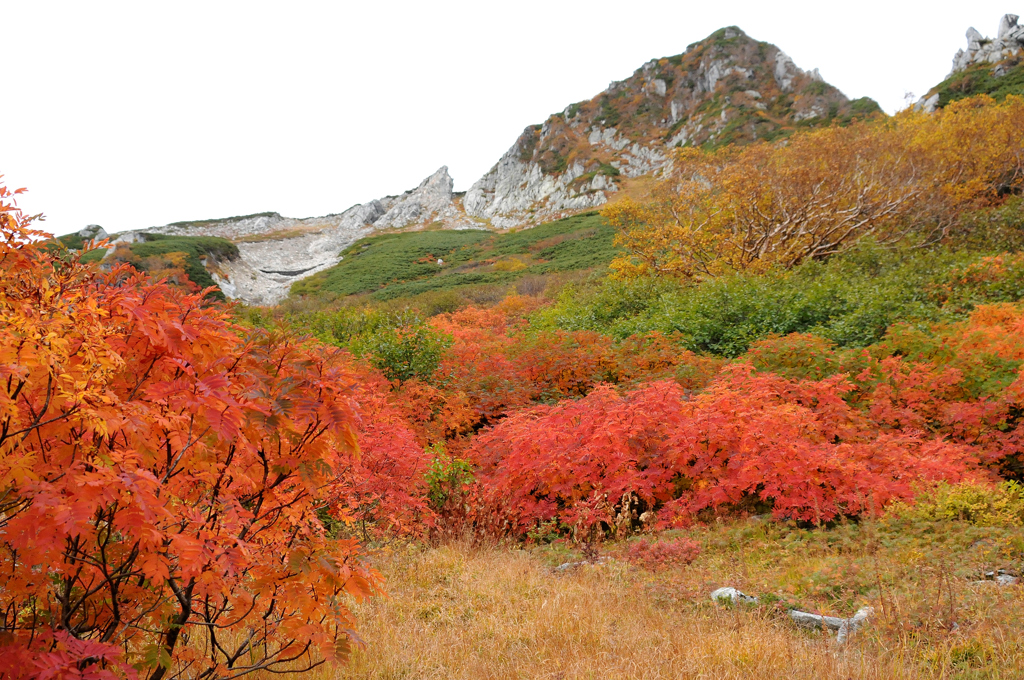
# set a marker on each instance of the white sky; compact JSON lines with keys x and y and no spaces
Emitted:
{"x":136,"y":114}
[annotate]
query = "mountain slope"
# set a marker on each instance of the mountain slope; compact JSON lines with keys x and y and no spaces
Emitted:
{"x":276,"y":251}
{"x":389,"y":266}
{"x":728,"y":88}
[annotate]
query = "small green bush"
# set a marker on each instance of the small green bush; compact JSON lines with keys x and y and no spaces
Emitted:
{"x":403,"y":347}
{"x":850,"y":300}
{"x":447,"y":477}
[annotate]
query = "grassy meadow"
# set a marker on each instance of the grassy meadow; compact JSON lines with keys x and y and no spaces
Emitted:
{"x":460,"y":610}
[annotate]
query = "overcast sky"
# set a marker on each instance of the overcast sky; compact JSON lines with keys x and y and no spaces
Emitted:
{"x":136,"y":114}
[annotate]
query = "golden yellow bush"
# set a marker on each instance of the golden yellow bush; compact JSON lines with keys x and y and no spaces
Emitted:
{"x":984,"y":505}
{"x":819,"y":192}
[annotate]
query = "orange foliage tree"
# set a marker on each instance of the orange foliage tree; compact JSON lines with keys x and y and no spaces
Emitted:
{"x":821,"y":191}
{"x":163,"y":480}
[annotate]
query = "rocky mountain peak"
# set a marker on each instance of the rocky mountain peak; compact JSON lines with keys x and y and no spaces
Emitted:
{"x":1008,"y":44}
{"x":993,"y":66}
{"x":728,"y":88}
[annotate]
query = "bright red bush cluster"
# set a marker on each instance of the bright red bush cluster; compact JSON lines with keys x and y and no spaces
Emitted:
{"x":382,"y":489}
{"x":794,"y":444}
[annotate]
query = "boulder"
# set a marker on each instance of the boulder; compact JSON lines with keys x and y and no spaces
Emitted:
{"x":93,"y":232}
{"x":1007,"y":25}
{"x":733,"y":595}
{"x":1000,"y":578}
{"x":974,"y":39}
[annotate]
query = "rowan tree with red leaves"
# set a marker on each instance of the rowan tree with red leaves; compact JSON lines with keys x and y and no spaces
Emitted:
{"x":163,"y":474}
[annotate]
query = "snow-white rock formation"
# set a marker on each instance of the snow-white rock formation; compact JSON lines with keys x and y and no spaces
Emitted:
{"x":516,"y":192}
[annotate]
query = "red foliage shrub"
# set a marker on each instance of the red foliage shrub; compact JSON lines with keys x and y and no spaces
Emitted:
{"x":384,"y":488}
{"x":482,"y":365}
{"x":560,"y":364}
{"x":795,"y":444}
{"x":543,"y":462}
{"x":799,"y":445}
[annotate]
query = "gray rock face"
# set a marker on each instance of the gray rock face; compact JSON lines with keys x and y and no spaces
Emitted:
{"x":276,"y":251}
{"x":1006,"y":26}
{"x":515,"y":192}
{"x":429,"y":199}
{"x":785,"y":71}
{"x":1009,"y":42}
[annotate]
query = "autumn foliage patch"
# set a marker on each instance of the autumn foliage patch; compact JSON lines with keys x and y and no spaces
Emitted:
{"x":908,"y":178}
{"x":163,"y":477}
{"x":181,"y":494}
{"x":795,"y":445}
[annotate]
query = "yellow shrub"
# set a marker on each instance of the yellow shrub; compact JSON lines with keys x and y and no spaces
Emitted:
{"x":983,"y":505}
{"x":512,"y":264}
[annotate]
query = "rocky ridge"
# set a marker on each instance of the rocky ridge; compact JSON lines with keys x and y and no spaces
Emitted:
{"x":1008,"y":43}
{"x":994,"y":58}
{"x":728,"y":88}
{"x":276,"y":251}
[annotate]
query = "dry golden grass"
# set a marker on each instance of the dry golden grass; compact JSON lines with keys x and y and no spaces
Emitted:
{"x":634,"y":188}
{"x":497,"y":612}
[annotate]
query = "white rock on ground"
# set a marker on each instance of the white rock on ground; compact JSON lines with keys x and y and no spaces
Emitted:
{"x":733,"y":595}
{"x":845,"y":627}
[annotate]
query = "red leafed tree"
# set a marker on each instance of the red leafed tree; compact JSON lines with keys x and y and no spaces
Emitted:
{"x":163,"y":475}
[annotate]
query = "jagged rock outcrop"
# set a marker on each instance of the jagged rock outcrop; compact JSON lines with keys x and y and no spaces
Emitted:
{"x":1008,"y":43}
{"x":430,"y":199}
{"x":980,"y":68}
{"x":276,"y":251}
{"x":728,"y":88}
